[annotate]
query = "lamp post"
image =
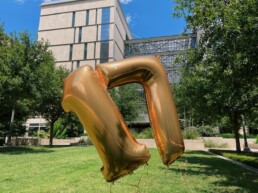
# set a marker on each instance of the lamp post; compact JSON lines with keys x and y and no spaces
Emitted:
{"x":9,"y":139}
{"x":246,"y":148}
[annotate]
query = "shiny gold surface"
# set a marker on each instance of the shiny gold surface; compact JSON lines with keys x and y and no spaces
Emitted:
{"x":85,"y":94}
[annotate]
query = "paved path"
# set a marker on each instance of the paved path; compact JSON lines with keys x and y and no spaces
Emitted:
{"x":198,"y":144}
{"x":189,"y":144}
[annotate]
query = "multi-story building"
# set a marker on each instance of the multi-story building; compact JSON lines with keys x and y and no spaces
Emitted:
{"x":84,"y":31}
{"x":92,"y":32}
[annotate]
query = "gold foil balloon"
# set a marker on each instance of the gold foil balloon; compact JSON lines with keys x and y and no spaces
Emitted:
{"x":85,"y":94}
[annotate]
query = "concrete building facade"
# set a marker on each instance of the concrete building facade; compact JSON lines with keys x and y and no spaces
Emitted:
{"x":83,"y":32}
{"x":92,"y":32}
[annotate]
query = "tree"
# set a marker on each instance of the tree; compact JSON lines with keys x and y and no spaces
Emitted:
{"x":15,"y":90}
{"x":69,"y":126}
{"x":48,"y":101}
{"x":29,"y":82}
{"x":127,"y":99}
{"x":221,"y":77}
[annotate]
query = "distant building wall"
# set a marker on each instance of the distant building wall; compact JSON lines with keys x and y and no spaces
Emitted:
{"x":84,"y":32}
{"x":96,"y":31}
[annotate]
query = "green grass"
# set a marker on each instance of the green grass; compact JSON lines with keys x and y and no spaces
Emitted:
{"x":144,"y":134}
{"x":77,"y":169}
{"x":232,"y":135}
{"x":243,"y":157}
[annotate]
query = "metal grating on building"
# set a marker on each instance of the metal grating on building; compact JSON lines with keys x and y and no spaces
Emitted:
{"x":168,"y":48}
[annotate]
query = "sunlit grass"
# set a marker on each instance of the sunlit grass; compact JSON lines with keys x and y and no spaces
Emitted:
{"x":77,"y":169}
{"x":249,"y":158}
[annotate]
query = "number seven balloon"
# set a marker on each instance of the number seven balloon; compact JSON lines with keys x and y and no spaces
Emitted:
{"x":85,"y":93}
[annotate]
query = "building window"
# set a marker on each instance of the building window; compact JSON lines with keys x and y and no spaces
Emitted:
{"x":105,"y":30}
{"x":85,"y":51}
{"x":87,"y":17}
{"x":104,"y":51}
{"x":96,"y":19}
{"x":194,"y":42}
{"x":73,"y":19}
{"x":94,"y":50}
{"x":105,"y":15}
{"x":71,"y":53}
{"x":80,"y":35}
{"x":78,"y":64}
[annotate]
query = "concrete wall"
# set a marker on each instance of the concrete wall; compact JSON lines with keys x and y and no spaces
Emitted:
{"x":74,"y":5}
{"x":63,"y":20}
{"x":56,"y":27}
{"x":58,"y":36}
{"x":121,"y":32}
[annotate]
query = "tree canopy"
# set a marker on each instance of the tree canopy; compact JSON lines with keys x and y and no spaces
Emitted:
{"x":30,"y":84}
{"x":221,"y":75}
{"x":127,"y":99}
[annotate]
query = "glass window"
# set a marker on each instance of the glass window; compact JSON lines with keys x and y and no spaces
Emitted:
{"x":85,"y":51}
{"x":87,"y":17}
{"x":78,"y":64}
{"x":105,"y":15}
{"x":71,"y":53}
{"x":105,"y":29}
{"x":194,"y":42}
{"x":80,"y":35}
{"x":104,"y":51}
{"x":73,"y":19}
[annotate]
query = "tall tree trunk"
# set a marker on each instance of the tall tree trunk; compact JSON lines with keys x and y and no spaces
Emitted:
{"x":51,"y":134}
{"x":236,"y":132}
{"x":235,"y":122}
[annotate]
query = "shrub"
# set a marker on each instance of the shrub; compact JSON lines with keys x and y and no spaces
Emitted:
{"x":227,"y":135}
{"x":225,"y":125}
{"x":85,"y":141}
{"x":208,"y":131}
{"x":59,"y":132}
{"x":249,"y":136}
{"x":213,"y":144}
{"x":43,"y":134}
{"x":84,"y":134}
{"x":1,"y":141}
{"x":144,"y":134}
{"x":232,"y":135}
{"x":190,"y":133}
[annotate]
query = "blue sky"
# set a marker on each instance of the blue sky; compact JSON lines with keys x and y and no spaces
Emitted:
{"x":147,"y":18}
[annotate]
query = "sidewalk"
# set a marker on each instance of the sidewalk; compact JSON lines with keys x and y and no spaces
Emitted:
{"x":189,"y":144}
{"x":198,"y":144}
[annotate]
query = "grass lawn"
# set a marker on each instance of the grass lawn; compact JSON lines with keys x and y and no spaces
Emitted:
{"x":77,"y":169}
{"x":249,"y":158}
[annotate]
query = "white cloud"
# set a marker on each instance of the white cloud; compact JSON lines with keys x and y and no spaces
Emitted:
{"x":126,"y":1}
{"x":48,"y":1}
{"x":19,"y":1}
{"x":128,"y":18}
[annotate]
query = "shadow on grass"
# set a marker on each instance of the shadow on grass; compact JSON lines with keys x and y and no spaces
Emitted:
{"x":220,"y":152}
{"x":24,"y":150}
{"x":226,"y":174}
{"x":248,"y":158}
